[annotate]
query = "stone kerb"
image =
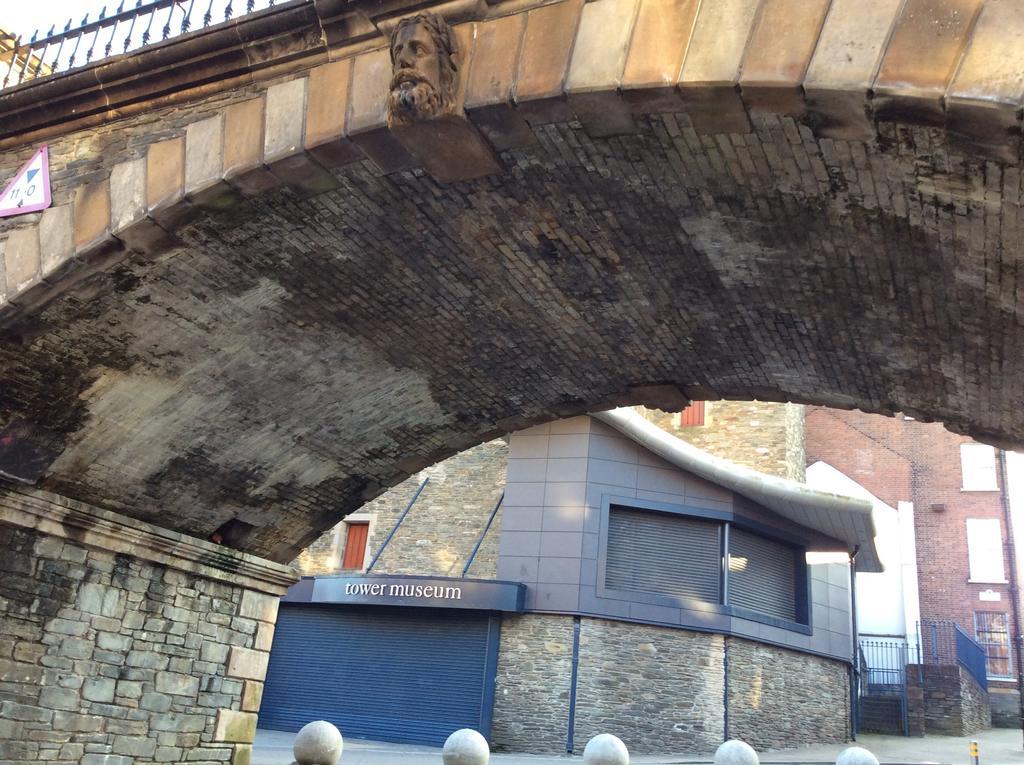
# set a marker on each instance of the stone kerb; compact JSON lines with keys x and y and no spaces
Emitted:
{"x":836,"y":66}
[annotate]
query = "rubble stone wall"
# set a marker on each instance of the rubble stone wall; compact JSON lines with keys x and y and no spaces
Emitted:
{"x":660,"y":689}
{"x":761,"y":435}
{"x":780,"y":698}
{"x":945,"y":700}
{"x":531,"y":695}
{"x":444,"y":524}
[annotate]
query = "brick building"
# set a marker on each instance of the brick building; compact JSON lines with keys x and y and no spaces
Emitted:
{"x":957,"y":492}
{"x":527,"y":585}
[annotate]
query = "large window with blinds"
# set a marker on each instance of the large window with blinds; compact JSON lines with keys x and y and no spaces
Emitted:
{"x":672,"y":558}
{"x":664,"y":554}
{"x":763,"y":575}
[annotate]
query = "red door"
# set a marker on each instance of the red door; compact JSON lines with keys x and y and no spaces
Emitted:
{"x":355,"y":545}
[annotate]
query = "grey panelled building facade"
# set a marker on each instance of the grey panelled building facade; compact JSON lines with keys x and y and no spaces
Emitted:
{"x":626,"y":582}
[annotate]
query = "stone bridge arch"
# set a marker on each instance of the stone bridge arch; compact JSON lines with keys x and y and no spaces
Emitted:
{"x":253,"y":300}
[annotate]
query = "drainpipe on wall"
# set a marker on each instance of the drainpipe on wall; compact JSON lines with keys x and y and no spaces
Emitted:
{"x":571,"y":727}
{"x":854,"y":664}
{"x":725,"y":700}
{"x":1011,"y":550}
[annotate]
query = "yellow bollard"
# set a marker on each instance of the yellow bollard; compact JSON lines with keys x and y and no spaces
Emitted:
{"x":975,"y":760}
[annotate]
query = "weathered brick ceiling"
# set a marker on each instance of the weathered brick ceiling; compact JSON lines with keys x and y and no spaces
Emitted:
{"x":329,"y":331}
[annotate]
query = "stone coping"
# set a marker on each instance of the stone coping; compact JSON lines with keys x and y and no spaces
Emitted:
{"x":289,"y":37}
{"x":603,"y":63}
{"x":842,"y":63}
{"x":91,"y":526}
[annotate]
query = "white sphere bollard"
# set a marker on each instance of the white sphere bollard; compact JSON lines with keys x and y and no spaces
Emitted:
{"x":605,"y":749}
{"x":736,"y":752}
{"x":318,"y":743}
{"x":856,"y":755}
{"x":466,"y":747}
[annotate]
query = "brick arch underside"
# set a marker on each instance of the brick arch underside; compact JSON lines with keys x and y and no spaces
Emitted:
{"x":297,"y":354}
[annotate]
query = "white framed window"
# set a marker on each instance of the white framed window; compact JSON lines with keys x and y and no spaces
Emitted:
{"x":978,"y":467}
{"x":985,"y":550}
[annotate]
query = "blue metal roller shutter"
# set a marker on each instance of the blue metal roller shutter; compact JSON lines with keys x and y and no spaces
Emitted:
{"x":410,"y":676}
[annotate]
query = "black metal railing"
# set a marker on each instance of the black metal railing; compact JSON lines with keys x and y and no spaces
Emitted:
{"x":113,"y":33}
{"x":884,"y":663}
{"x":882,"y":686}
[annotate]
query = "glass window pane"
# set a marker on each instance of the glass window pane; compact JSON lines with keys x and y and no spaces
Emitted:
{"x":992,"y":632}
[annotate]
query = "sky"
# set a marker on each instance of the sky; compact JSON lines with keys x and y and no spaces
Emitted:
{"x":23,"y":18}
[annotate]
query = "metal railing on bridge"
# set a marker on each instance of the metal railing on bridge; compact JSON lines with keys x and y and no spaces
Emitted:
{"x":115,"y":30}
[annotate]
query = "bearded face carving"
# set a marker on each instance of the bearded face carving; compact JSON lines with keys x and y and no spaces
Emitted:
{"x":424,"y":73}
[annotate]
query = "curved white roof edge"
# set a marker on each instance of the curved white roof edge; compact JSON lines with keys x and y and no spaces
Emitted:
{"x":844,"y":518}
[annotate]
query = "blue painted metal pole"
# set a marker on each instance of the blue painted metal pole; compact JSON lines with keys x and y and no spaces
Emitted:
{"x":480,"y":541}
{"x":725,"y":687}
{"x":397,"y":524}
{"x":571,"y":727}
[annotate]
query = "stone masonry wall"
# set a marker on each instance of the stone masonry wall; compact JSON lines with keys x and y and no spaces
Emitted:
{"x":780,"y":698}
{"x":439,"y":533}
{"x":1005,"y":706}
{"x":659,"y":689}
{"x":977,"y":712}
{"x":531,"y":699}
{"x":761,"y":435}
{"x":106,"y":659}
{"x":948,"y":702}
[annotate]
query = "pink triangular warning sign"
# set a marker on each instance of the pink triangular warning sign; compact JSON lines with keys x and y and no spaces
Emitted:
{"x":30,"y":189}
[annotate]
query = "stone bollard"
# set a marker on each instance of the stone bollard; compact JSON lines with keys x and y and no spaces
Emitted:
{"x":466,"y":747}
{"x":605,"y":749}
{"x":736,"y":752}
{"x":856,"y":755}
{"x":318,"y":743}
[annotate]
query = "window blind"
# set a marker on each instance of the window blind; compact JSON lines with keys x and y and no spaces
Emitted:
{"x":762,"y":575}
{"x":663,"y":554}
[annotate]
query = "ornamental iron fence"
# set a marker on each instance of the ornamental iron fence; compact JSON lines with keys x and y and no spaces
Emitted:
{"x":882,"y":684}
{"x":115,"y":31}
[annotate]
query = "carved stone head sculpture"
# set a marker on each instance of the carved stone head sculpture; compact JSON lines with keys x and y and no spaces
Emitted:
{"x":423,"y":70}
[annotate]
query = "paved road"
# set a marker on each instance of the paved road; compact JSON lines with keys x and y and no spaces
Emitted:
{"x":998,"y":747}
